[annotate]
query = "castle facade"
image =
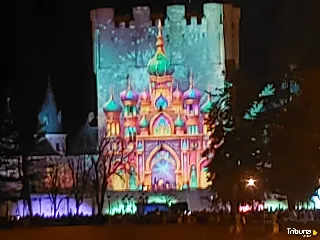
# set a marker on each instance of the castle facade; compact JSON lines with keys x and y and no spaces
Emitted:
{"x":161,"y":107}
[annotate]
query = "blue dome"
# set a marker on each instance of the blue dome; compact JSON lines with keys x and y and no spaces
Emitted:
{"x":111,"y":105}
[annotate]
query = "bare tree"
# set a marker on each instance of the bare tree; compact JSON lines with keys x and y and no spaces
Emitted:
{"x":9,"y":157}
{"x":112,"y":156}
{"x":80,"y":172}
{"x":53,"y":182}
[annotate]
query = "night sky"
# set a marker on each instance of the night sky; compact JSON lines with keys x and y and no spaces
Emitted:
{"x":56,"y":38}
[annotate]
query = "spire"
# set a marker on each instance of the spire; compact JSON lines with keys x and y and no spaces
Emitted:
{"x":129,"y":83}
{"x":49,"y":113}
{"x":209,"y":92}
{"x":191,"y":82}
{"x":111,"y":93}
{"x":160,"y":40}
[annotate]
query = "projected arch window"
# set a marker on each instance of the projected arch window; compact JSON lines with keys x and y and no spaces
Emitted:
{"x":193,"y":130}
{"x":161,"y":103}
{"x":162,"y":126}
{"x":130,"y":111}
{"x":130,"y":132}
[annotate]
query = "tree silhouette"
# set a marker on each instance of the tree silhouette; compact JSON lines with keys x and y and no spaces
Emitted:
{"x":112,"y":156}
{"x":9,"y":156}
{"x":53,"y":182}
{"x":80,"y":169}
{"x":239,"y":135}
{"x":295,"y":138}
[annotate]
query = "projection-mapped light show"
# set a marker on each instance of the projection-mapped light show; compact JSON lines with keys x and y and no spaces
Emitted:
{"x":151,"y":82}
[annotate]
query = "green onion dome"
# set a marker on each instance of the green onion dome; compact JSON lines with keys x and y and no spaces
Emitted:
{"x":111,"y":105}
{"x":207,"y":106}
{"x":179,"y":121}
{"x":143,"y":122}
{"x":160,"y":65}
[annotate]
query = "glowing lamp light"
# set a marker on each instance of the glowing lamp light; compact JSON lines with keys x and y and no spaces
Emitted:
{"x":251,"y":182}
{"x":245,"y":208}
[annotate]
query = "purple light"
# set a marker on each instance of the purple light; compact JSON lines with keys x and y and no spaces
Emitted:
{"x":42,"y":205}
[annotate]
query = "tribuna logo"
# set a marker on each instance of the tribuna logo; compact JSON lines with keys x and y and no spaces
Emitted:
{"x":303,"y":233}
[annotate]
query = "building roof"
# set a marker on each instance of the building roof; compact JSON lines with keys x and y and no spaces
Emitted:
{"x":86,"y":141}
{"x":49,"y":114}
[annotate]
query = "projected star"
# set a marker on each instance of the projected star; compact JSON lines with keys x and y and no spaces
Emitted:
{"x":164,"y":170}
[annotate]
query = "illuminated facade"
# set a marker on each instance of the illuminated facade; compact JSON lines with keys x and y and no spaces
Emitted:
{"x":161,"y":107}
{"x":166,"y":126}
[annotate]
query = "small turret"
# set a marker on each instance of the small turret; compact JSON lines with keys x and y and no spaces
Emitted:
{"x":192,"y":94}
{"x":145,"y":102}
{"x":192,"y":98}
{"x":144,"y":126}
{"x":177,"y":99}
{"x":179,"y":125}
{"x":207,"y":106}
{"x":112,"y":111}
{"x":129,"y":95}
{"x":130,"y":98}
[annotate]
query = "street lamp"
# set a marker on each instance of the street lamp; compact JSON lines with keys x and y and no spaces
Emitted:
{"x":251,"y":182}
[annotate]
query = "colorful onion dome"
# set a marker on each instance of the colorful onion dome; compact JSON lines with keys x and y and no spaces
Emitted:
{"x":111,"y":105}
{"x":207,"y":106}
{"x":192,"y":92}
{"x":143,"y":122}
{"x":129,"y":94}
{"x":145,"y":95}
{"x":177,"y":94}
{"x":160,"y":65}
{"x":179,"y":121}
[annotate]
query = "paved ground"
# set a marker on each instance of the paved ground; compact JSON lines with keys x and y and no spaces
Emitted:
{"x":142,"y":232}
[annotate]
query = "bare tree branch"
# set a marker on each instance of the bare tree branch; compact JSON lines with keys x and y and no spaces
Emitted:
{"x":112,"y":156}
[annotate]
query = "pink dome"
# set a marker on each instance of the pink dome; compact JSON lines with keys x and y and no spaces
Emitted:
{"x":177,"y":94}
{"x":145,"y":95}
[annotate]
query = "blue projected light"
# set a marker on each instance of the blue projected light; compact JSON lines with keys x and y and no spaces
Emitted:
{"x":161,"y":103}
{"x":164,"y":171}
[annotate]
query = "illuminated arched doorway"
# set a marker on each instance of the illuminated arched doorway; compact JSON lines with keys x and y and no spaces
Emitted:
{"x":163,"y":169}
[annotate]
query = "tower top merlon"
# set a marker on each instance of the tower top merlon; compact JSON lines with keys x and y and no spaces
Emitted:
{"x":176,"y":12}
{"x":213,"y":11}
{"x":102,"y":16}
{"x":141,"y":13}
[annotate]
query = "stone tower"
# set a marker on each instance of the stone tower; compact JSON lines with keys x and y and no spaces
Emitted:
{"x":51,"y":120}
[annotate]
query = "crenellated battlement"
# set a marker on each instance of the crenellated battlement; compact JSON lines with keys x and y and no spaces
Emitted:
{"x":104,"y":17}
